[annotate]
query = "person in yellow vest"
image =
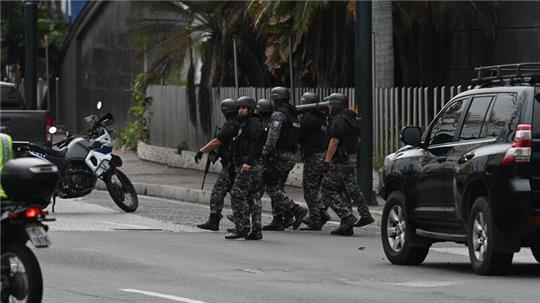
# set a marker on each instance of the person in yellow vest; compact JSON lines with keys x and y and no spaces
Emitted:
{"x":6,"y":148}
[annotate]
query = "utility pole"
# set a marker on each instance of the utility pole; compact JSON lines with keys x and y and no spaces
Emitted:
{"x":364,"y":96}
{"x":30,"y":17}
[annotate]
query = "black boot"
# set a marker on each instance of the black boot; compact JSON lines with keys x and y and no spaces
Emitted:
{"x":313,"y":225}
{"x":346,"y":225}
{"x":236,"y":234}
{"x":365,"y":217}
{"x":288,"y":219}
{"x":299,"y":214}
{"x":212,"y":223}
{"x":255,"y":233}
{"x":325,"y":217}
{"x":275,"y":225}
{"x":347,"y":232}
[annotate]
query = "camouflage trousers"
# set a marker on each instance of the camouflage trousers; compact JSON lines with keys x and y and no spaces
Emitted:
{"x":311,"y":183}
{"x":340,"y":187}
{"x":222,"y":186}
{"x":275,"y":176}
{"x":243,"y":192}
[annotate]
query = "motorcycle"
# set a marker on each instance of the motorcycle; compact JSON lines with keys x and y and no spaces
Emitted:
{"x":29,"y":183}
{"x":84,"y":159}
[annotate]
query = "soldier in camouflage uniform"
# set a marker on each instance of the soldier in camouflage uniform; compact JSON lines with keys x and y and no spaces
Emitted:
{"x":312,"y":145}
{"x":246,"y":154}
{"x":222,"y":142}
{"x":279,"y":155}
{"x":340,"y":167}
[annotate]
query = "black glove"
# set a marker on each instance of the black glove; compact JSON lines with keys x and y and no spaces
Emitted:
{"x":326,"y":167}
{"x":198,"y":156}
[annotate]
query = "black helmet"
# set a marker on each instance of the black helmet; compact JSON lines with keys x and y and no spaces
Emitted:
{"x":248,"y":102}
{"x":309,"y":98}
{"x":280,"y":94}
{"x":264,"y":106}
{"x":338,"y":100}
{"x":229,"y":106}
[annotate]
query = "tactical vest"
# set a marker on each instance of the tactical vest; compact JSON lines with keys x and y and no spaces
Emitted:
{"x":313,"y":139}
{"x":225,"y":150}
{"x":241,"y":143}
{"x":350,"y":144}
{"x":290,"y":130}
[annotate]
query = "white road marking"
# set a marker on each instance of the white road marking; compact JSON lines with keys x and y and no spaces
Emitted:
{"x":162,"y":296}
{"x":125,"y":225}
{"x":524,"y":256}
{"x":423,"y":284}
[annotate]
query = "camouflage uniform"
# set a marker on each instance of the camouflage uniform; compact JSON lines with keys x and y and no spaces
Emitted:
{"x":222,"y":186}
{"x":334,"y":186}
{"x":276,"y":176}
{"x":242,"y":198}
{"x":246,"y":150}
{"x":281,"y":145}
{"x":313,"y":142}
{"x":311,"y":182}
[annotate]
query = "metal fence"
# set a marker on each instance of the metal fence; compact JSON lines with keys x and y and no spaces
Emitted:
{"x":393,"y":109}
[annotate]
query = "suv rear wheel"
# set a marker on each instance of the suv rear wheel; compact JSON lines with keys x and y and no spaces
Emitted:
{"x":396,"y":234}
{"x":480,"y":237}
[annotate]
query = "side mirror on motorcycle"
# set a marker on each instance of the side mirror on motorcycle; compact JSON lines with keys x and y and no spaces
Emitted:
{"x":52,"y":130}
{"x":99,"y":105}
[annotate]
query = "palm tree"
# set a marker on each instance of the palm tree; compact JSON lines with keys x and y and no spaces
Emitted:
{"x":189,"y":31}
{"x":322,"y":39}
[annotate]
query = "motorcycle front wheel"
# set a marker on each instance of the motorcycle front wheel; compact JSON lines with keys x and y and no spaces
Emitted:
{"x":121,"y":190}
{"x":21,"y":275}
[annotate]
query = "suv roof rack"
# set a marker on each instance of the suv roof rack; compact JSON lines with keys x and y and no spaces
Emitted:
{"x":508,"y":74}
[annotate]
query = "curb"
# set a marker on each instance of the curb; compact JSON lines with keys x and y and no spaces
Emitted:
{"x":203,"y":196}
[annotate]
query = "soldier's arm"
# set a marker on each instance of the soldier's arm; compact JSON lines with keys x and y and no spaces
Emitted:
{"x":276,"y":122}
{"x":212,"y":145}
{"x":331,"y":150}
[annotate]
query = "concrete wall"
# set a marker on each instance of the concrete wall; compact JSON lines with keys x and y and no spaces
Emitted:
{"x":100,"y":63}
{"x":516,"y":39}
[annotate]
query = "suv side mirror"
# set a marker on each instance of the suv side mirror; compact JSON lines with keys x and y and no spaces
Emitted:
{"x":411,"y":135}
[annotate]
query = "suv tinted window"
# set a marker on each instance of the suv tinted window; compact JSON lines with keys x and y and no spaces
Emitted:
{"x":474,"y":121}
{"x":444,"y":129}
{"x":502,"y":112}
{"x":10,"y":98}
{"x":536,"y":118}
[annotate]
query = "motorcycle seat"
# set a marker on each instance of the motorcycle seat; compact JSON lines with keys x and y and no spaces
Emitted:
{"x":50,"y":151}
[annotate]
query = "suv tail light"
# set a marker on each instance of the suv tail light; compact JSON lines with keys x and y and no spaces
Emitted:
{"x":48,"y":136}
{"x":520,"y":152}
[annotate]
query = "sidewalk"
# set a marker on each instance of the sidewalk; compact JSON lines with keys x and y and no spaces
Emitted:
{"x":159,"y":180}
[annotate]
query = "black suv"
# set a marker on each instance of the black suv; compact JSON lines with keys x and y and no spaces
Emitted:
{"x":473,"y":177}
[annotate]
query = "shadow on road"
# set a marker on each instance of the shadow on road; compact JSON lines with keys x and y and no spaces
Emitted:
{"x":517,"y":270}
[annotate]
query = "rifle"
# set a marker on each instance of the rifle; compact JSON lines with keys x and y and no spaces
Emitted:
{"x":210,"y":159}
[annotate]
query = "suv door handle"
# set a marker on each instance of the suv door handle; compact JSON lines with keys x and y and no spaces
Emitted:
{"x":466,"y":158}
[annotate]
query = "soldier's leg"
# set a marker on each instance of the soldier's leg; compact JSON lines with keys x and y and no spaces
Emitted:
{"x":311,"y":182}
{"x":342,"y":207}
{"x":240,"y":195}
{"x":282,"y":166}
{"x":219,"y":191}
{"x":353,"y":191}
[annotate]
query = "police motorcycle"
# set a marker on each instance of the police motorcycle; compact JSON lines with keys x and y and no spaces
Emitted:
{"x":29,"y":184}
{"x":85,"y":158}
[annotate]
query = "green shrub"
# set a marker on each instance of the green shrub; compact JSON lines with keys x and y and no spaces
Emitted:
{"x":182,"y":147}
{"x":137,"y":129}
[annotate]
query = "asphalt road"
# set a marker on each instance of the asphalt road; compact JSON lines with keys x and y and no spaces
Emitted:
{"x":100,"y":254}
